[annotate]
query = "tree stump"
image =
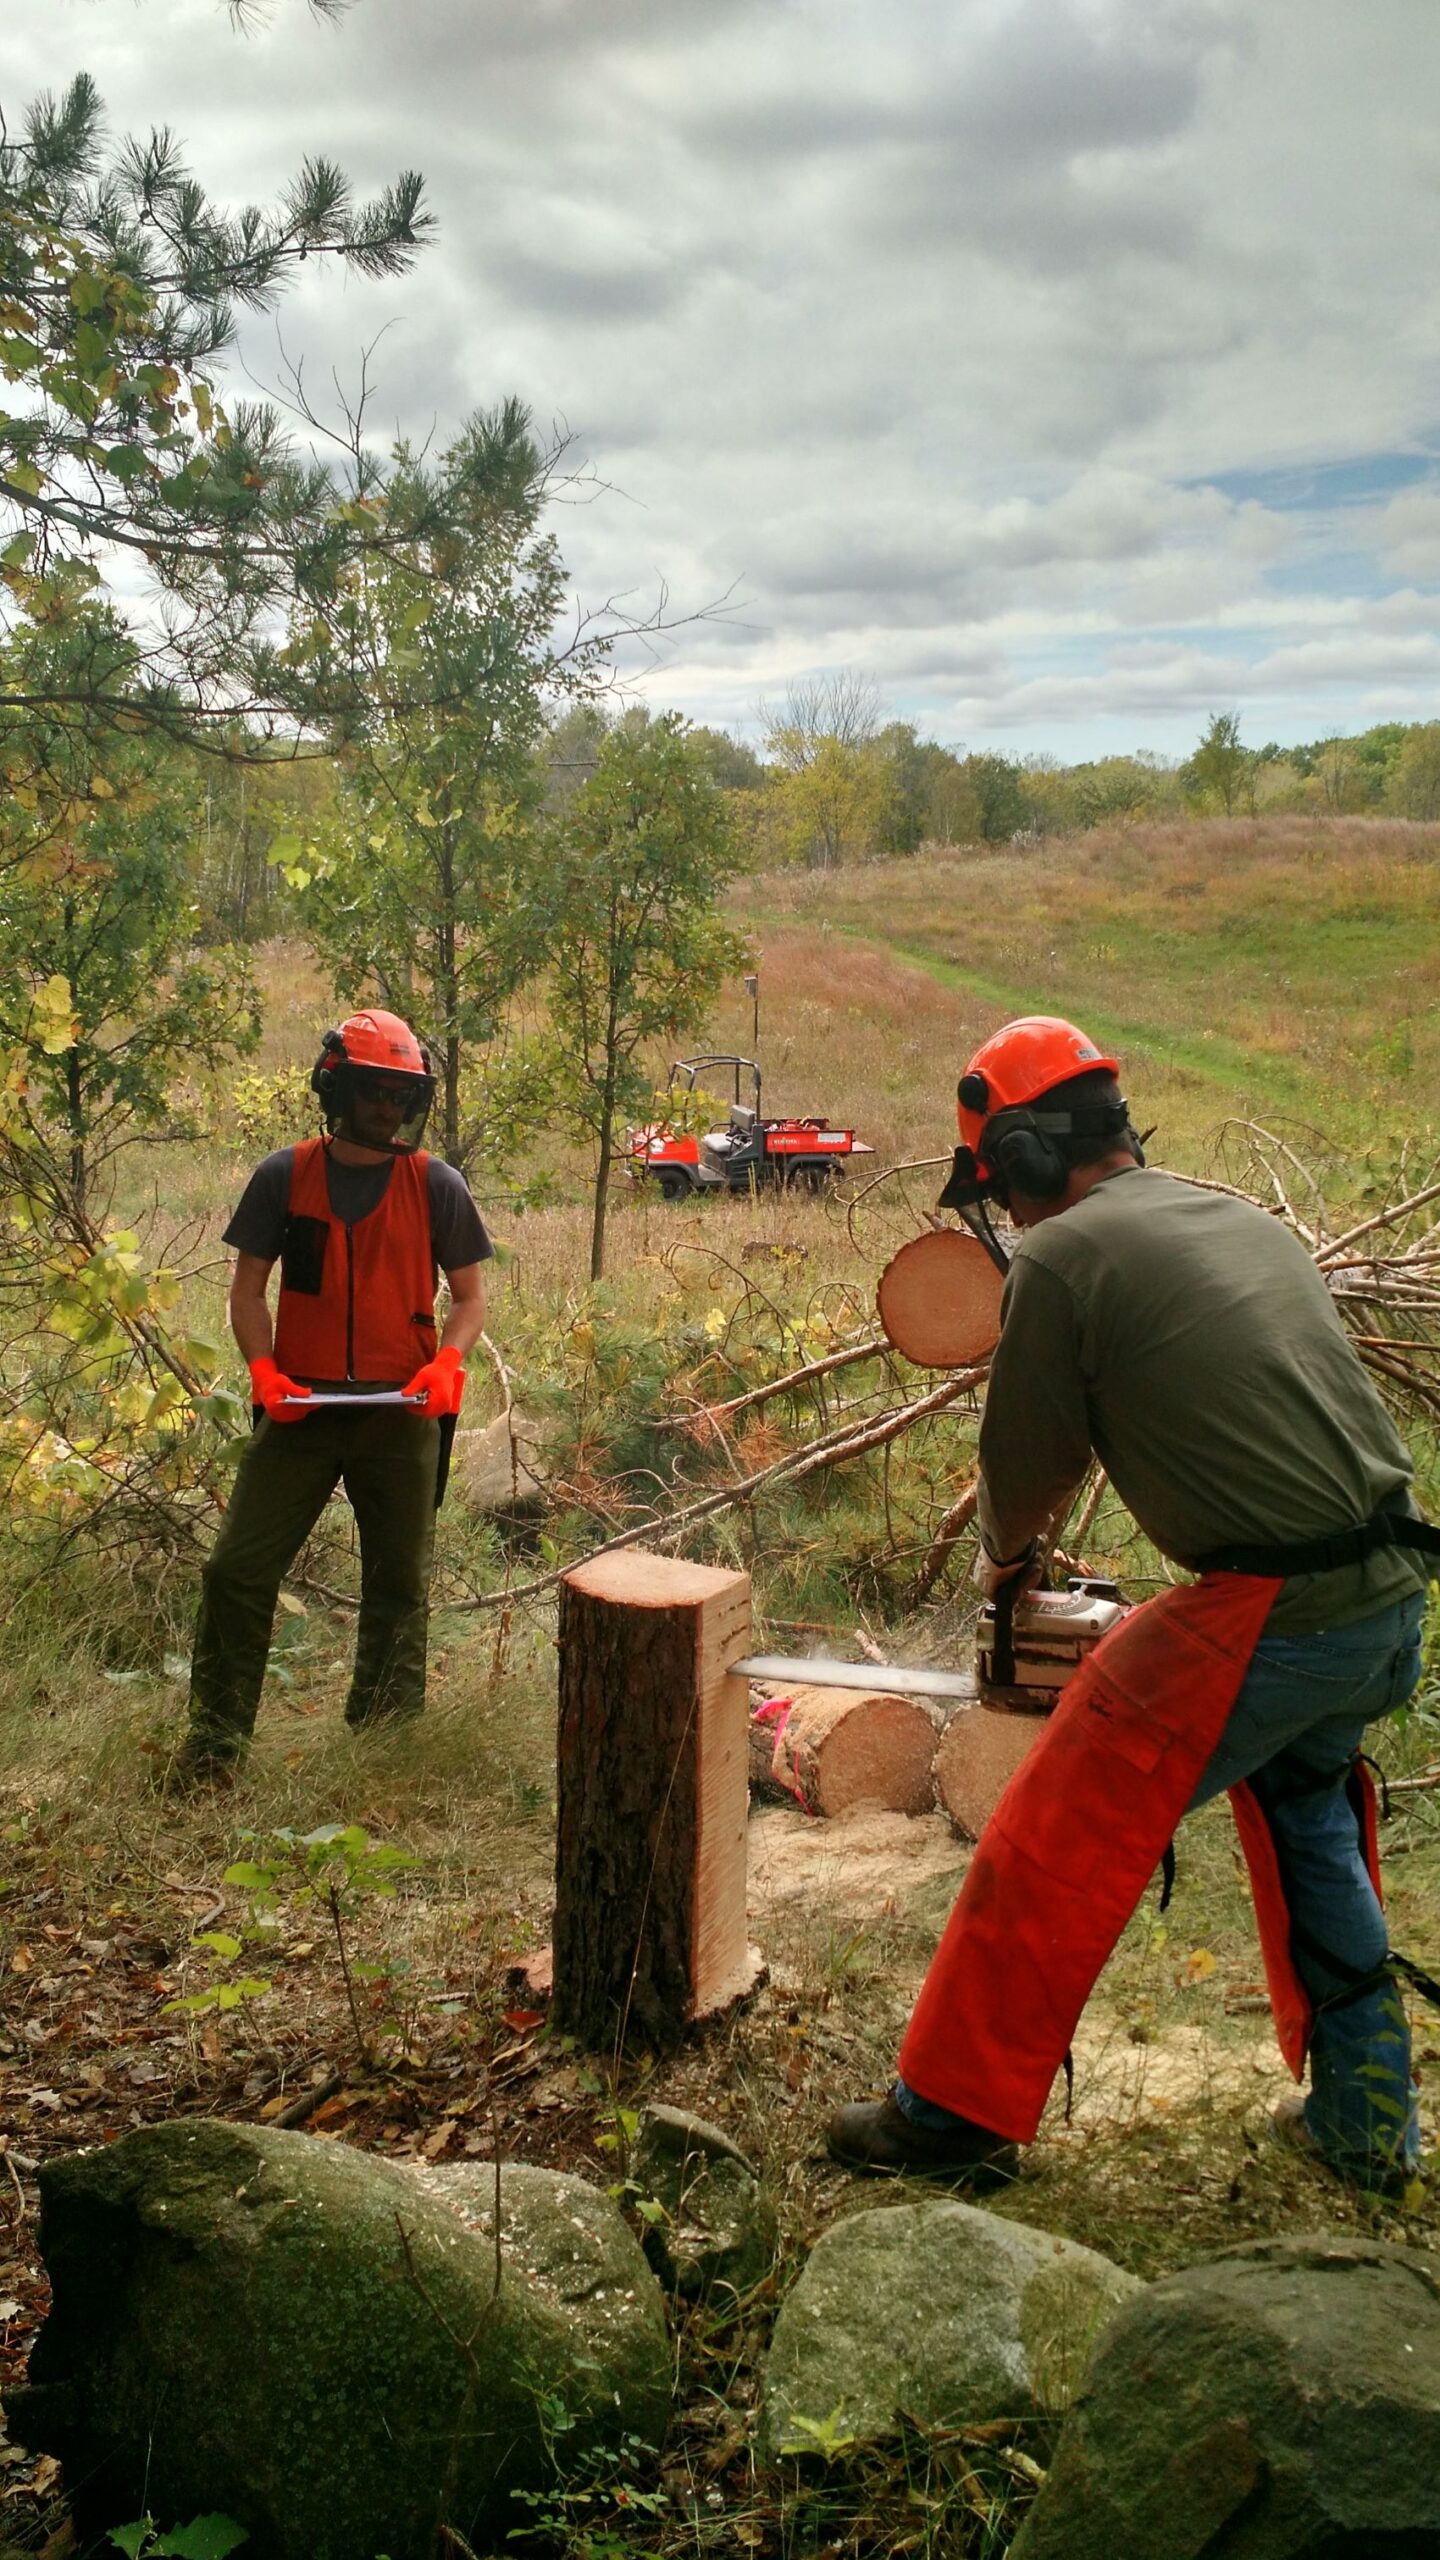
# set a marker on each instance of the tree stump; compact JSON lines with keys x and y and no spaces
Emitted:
{"x":831,"y":1748}
{"x":980,"y":1751}
{"x":650,"y":1852}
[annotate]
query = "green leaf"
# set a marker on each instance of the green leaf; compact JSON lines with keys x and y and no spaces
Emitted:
{"x":220,"y":1940}
{"x":257,"y":1879}
{"x":207,"y":2538}
{"x":132,"y":2538}
{"x":92,"y":347}
{"x":87,"y":291}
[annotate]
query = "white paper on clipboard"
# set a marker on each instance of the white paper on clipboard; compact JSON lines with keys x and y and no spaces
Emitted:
{"x":387,"y":1395}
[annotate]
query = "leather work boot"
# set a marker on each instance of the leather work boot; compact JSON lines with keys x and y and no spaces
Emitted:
{"x":874,"y":2136}
{"x":1374,"y":2177}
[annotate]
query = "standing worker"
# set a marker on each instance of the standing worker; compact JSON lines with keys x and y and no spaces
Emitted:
{"x":1187,"y":1340}
{"x":361,"y":1222}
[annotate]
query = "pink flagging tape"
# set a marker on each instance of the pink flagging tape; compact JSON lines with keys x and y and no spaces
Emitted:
{"x":777,"y":1712}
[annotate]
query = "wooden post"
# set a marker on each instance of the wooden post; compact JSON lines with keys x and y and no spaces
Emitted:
{"x":650,"y":1849}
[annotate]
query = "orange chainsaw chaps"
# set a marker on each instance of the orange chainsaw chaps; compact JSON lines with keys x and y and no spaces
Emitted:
{"x":1069,"y":1849}
{"x":1290,"y":2002}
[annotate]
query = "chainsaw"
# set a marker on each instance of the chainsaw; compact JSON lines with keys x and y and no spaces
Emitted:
{"x":1027,"y":1645}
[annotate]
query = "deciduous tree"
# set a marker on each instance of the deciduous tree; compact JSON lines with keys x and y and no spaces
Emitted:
{"x":635,"y":949}
{"x":436,"y":671}
{"x":1221,"y":769}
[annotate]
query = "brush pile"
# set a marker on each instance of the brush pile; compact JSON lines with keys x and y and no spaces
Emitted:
{"x":789,"y":1419}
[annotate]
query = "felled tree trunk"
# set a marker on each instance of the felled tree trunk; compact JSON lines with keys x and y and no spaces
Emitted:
{"x":980,"y":1751}
{"x":832,"y":1748}
{"x":650,"y":1852}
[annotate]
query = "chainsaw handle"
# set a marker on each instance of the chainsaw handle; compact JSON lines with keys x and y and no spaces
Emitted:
{"x":1002,"y":1655}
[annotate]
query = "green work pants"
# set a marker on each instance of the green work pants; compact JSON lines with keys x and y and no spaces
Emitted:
{"x":386,"y":1462}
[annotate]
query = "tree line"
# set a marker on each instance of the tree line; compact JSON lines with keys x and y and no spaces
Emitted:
{"x":832,"y":781}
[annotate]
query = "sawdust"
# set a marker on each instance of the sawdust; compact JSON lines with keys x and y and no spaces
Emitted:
{"x":869,"y":1863}
{"x":1118,"y":2082}
{"x":861,"y":1862}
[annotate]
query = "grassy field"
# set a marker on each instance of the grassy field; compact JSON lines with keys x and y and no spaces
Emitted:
{"x":1282,"y":971}
{"x":1286,"y":965}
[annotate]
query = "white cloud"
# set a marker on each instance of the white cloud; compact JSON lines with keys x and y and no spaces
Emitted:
{"x":925,"y":323}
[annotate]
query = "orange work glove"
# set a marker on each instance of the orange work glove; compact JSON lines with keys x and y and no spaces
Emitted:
{"x":270,"y":1388}
{"x":441,"y":1382}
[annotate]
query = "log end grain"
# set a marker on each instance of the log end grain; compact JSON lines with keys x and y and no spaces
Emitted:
{"x":635,"y":1579}
{"x":980,"y":1751}
{"x":841,"y":1747}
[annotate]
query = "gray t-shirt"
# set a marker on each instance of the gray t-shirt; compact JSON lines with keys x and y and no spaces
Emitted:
{"x":457,"y":1230}
{"x":1188,"y":1340}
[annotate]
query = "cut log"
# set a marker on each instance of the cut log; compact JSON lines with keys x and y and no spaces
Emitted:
{"x":650,"y":1850}
{"x":832,"y":1748}
{"x":939,"y":1300}
{"x":980,"y":1751}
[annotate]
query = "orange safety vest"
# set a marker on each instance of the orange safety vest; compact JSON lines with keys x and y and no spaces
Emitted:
{"x":357,"y":1304}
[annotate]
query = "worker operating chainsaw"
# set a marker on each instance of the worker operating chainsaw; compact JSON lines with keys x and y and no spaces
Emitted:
{"x":1187,"y":1340}
{"x":350,"y":1383}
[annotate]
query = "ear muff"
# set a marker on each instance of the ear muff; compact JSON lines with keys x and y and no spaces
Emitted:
{"x":973,"y":1093}
{"x":332,"y":1052}
{"x":1023,"y":1158}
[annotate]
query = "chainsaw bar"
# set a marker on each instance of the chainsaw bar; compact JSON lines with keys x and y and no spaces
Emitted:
{"x":898,"y":1679}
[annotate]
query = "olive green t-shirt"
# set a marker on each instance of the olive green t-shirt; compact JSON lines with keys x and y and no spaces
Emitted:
{"x":1188,"y":1340}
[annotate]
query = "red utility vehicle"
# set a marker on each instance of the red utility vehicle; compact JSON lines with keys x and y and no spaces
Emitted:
{"x":749,"y":1152}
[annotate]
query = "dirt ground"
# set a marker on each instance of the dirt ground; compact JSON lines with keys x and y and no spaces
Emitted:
{"x":1164,"y":2156}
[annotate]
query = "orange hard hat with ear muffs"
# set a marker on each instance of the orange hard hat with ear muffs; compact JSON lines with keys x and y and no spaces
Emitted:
{"x":374,"y":1056}
{"x":1008,"y":1139}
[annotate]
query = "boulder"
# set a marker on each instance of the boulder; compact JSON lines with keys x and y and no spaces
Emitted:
{"x":936,"y":2311}
{"x":1282,"y":2403}
{"x":495,"y":1473}
{"x":719,"y":2226}
{"x":312,"y":2341}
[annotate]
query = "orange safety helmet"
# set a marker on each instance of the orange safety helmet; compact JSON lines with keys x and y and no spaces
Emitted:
{"x":378,"y":1048}
{"x":1006,"y":1141}
{"x":375,"y":1039}
{"x":1019,"y":1063}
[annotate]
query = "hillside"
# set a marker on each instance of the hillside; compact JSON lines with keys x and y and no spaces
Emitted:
{"x":1283,"y":966}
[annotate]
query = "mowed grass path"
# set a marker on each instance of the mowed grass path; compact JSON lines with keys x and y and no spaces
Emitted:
{"x":1266,"y":967}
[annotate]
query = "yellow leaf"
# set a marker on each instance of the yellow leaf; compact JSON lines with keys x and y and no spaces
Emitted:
{"x":53,"y":1022}
{"x":1199,"y":1964}
{"x":100,"y":789}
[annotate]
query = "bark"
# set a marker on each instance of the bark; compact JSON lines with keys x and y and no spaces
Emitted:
{"x":835,"y":1748}
{"x":602,"y":1175}
{"x":650,"y":1849}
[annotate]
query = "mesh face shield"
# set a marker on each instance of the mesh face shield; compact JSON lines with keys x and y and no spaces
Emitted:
{"x":378,"y":1107}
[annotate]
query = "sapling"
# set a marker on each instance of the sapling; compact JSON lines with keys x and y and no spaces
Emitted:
{"x":338,"y":1866}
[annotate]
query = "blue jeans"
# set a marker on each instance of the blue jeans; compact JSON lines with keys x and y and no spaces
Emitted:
{"x":1293,"y":1731}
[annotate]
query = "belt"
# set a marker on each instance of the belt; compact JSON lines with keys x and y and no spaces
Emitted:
{"x":1330,"y":1555}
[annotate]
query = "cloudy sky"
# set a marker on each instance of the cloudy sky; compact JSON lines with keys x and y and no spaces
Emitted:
{"x":1069,"y":367}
